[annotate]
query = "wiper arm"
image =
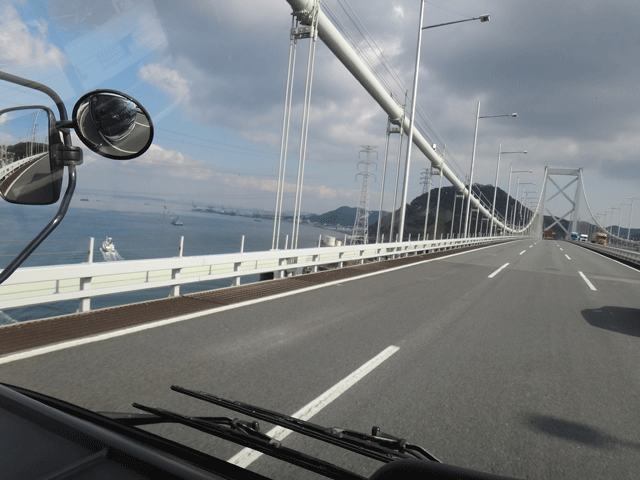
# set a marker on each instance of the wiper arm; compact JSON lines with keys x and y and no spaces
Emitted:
{"x":378,"y":446}
{"x":248,"y":435}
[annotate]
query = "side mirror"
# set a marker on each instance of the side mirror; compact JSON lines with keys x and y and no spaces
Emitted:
{"x":112,"y":124}
{"x":30,"y":172}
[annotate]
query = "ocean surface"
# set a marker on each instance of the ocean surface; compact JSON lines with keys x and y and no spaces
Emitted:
{"x":142,"y":234}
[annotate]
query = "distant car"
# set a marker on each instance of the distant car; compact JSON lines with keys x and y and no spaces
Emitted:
{"x":574,"y":236}
{"x":584,"y":238}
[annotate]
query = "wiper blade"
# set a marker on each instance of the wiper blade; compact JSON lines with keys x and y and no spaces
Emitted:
{"x":248,"y":435}
{"x":378,"y":445}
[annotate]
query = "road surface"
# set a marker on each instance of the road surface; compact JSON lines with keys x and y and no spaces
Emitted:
{"x":520,"y":359}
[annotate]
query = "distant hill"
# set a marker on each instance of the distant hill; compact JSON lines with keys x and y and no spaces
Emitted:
{"x":342,"y":216}
{"x":415,"y":213}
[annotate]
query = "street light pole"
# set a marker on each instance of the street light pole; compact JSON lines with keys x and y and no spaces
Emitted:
{"x":620,"y":216}
{"x":511,"y":171}
{"x":405,"y":186}
{"x":407,"y":162}
{"x":513,"y":218}
{"x":473,"y":156}
{"x":525,"y":198}
{"x":630,"y":215}
{"x":495,"y":188}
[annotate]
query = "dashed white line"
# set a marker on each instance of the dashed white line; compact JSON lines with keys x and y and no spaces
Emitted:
{"x":522,"y":252}
{"x":567,"y":256}
{"x":587,"y":280}
{"x":498,"y":270}
{"x":561,"y":249}
{"x":246,"y":456}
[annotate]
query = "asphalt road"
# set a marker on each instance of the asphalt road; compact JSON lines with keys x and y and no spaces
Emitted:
{"x":530,"y":371}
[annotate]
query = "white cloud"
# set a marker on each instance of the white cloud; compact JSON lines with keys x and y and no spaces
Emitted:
{"x":398,"y":12}
{"x":19,"y":45}
{"x":167,"y":81}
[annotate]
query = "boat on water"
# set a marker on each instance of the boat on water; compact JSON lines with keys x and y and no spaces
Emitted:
{"x":107,"y":246}
{"x":174,"y":221}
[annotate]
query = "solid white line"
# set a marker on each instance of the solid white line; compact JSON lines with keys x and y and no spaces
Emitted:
{"x":522,"y":252}
{"x":246,"y":456}
{"x":567,"y":256}
{"x":498,"y":271}
{"x":613,"y":260}
{"x":587,"y":280}
{"x":138,"y":328}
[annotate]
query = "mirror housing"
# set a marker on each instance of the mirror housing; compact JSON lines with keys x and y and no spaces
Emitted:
{"x":30,"y":164}
{"x":112,"y":124}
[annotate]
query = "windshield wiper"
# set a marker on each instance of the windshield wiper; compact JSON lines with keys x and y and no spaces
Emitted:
{"x":378,"y":446}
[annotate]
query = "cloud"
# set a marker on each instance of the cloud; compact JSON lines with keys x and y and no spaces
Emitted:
{"x":171,"y":164}
{"x":398,"y":12}
{"x":168,"y":81}
{"x":23,"y":46}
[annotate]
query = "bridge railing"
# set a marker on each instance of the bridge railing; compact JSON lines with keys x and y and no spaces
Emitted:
{"x":619,"y":253}
{"x":47,"y":284}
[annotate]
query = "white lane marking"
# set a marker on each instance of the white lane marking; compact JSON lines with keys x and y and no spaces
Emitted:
{"x":532,"y":245}
{"x":498,"y":271}
{"x":522,"y":252}
{"x":613,"y":260}
{"x":246,"y":456}
{"x":587,"y":280}
{"x":561,"y":249}
{"x":567,"y":256}
{"x":160,"y":323}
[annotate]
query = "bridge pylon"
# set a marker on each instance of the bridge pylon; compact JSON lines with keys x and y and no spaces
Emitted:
{"x":571,"y":215}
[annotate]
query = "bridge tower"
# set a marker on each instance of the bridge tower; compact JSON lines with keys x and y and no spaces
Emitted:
{"x":574,"y":204}
{"x":360,"y":232}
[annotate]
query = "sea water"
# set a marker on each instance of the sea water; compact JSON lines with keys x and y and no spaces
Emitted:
{"x":147,"y":233}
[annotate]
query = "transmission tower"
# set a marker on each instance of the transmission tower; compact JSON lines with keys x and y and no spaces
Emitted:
{"x":425,"y":180}
{"x":360,"y":232}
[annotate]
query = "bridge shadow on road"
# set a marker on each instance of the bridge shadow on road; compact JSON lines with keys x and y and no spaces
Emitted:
{"x":576,"y":432}
{"x":616,"y":319}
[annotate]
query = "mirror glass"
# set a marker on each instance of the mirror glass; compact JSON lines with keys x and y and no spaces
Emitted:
{"x":113,"y":124}
{"x":26,"y":172}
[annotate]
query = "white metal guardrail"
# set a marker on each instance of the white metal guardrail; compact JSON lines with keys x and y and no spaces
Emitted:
{"x":38,"y":285}
{"x":628,"y":255}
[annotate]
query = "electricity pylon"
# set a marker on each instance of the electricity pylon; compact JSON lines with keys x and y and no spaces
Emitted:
{"x":360,"y":232}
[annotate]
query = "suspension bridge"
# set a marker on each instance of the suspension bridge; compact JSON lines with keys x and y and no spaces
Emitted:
{"x":503,"y":353}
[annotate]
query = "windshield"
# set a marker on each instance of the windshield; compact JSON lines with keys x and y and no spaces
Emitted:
{"x":516,"y":354}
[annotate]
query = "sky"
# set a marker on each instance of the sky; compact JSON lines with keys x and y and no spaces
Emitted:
{"x":212,"y":75}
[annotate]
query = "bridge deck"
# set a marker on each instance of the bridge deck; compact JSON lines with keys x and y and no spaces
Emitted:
{"x":22,"y":336}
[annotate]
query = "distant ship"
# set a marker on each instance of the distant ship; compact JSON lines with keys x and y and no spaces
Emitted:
{"x":107,"y":246}
{"x":84,"y":199}
{"x":174,"y":221}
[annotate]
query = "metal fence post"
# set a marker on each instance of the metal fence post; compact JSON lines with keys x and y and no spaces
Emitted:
{"x":85,"y":303}
{"x":236,"y":280}
{"x":91,"y":240}
{"x":181,"y":247}
{"x":175,"y":289}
